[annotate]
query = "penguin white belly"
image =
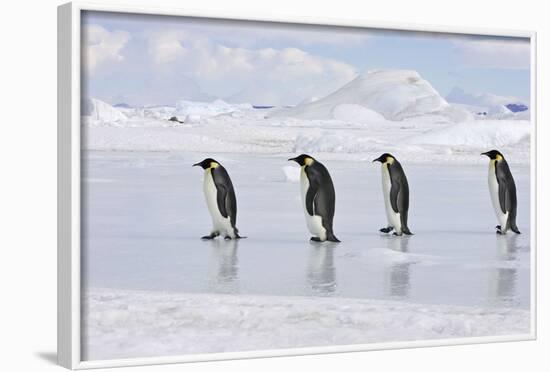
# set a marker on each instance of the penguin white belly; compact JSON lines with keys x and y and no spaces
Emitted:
{"x":502,"y":218}
{"x":314,"y":223}
{"x":394,"y":219}
{"x":220,"y":224}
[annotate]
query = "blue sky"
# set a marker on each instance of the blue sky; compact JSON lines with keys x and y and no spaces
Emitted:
{"x":143,"y":59}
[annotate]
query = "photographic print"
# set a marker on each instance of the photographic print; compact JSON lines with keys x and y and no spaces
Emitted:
{"x":254,"y":186}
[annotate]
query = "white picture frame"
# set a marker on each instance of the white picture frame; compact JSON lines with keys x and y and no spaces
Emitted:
{"x":69,"y":182}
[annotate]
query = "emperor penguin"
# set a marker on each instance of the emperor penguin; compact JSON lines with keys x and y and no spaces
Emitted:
{"x":220,"y":199}
{"x":318,"y":198}
{"x":503,"y":192}
{"x":396,"y":195}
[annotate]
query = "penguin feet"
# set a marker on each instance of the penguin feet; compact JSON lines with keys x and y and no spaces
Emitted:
{"x":396,"y":234}
{"x":499,"y":230}
{"x":315,"y":239}
{"x":210,"y":237}
{"x":386,"y":230}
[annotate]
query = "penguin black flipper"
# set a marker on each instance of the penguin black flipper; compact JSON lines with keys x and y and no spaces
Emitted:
{"x":394,"y":193}
{"x":226,"y":199}
{"x":312,"y":191}
{"x":507,"y":193}
{"x":399,"y":194}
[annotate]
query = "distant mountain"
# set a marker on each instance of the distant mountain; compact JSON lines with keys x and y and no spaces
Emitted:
{"x":393,"y":94}
{"x":487,"y":102}
{"x":517,"y":107}
{"x":122,"y":105}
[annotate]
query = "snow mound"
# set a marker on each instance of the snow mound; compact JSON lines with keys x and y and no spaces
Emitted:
{"x":309,"y":100}
{"x":125,"y":324}
{"x":356,"y":113}
{"x":192,"y":118}
{"x":481,"y":133}
{"x":394,"y":94}
{"x":95,"y":111}
{"x":292,"y":174}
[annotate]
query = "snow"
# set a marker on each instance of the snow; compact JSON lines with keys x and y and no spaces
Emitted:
{"x":96,"y":112}
{"x":358,"y":113}
{"x":249,"y":131}
{"x":394,"y":94}
{"x":127,"y":324}
{"x":207,"y":109}
{"x":482,"y":134}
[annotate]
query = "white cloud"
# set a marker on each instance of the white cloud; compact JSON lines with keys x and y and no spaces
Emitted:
{"x":490,"y":53}
{"x":252,"y":34}
{"x":100,"y":46}
{"x":291,"y":74}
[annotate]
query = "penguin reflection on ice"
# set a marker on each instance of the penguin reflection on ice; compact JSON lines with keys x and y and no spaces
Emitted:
{"x":396,"y":195}
{"x":224,"y":277}
{"x":321,"y":272}
{"x":221,"y":200}
{"x":503,"y":192}
{"x":318,"y":198}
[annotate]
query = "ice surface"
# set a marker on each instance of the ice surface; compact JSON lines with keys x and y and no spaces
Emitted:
{"x":146,"y":213}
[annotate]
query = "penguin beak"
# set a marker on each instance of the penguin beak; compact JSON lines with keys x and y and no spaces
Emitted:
{"x":377,"y":159}
{"x":196,"y":164}
{"x":292,"y":159}
{"x":484,"y":153}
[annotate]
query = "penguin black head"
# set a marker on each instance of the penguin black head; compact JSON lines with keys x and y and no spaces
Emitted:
{"x":384,"y":158}
{"x":207,"y":163}
{"x":493,"y":155}
{"x":303,"y":160}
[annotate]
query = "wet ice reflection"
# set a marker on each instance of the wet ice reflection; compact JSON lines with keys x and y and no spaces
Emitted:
{"x":399,"y":272}
{"x":503,"y":279}
{"x":321,"y":272}
{"x":224,"y":276}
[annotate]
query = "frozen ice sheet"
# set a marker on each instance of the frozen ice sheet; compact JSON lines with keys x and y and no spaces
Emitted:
{"x":145,"y":212}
